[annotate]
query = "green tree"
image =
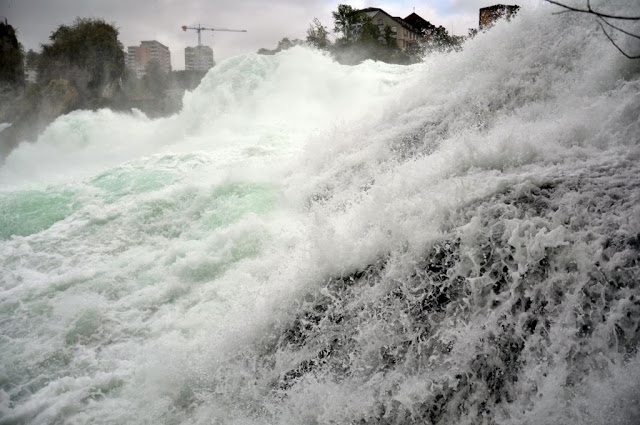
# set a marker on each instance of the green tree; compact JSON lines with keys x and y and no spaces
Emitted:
{"x":87,"y":54}
{"x":345,"y":20}
{"x":439,"y":40}
{"x":389,"y":39}
{"x":186,"y":79}
{"x":317,"y":35}
{"x":11,"y":59}
{"x":155,"y":80}
{"x":369,"y":33}
{"x":283,"y":44}
{"x":131,"y":84}
{"x":31,"y":59}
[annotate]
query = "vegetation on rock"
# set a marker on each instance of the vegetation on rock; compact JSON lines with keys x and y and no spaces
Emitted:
{"x":11,"y":59}
{"x":89,"y":55}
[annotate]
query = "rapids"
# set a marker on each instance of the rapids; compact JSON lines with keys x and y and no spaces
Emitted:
{"x":452,"y":242}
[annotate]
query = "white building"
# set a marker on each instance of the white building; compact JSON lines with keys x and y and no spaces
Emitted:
{"x":198,"y":58}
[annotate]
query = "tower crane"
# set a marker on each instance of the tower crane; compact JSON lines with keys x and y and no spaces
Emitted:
{"x":199,"y":29}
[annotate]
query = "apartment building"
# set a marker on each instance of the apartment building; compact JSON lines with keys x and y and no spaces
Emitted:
{"x":138,"y":57}
{"x":198,"y":58}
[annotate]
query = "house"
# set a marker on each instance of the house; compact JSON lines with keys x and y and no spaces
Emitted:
{"x":405,"y":34}
{"x":417,"y":22}
{"x":489,"y":15}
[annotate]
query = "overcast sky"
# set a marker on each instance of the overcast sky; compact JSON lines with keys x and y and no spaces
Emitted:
{"x":266,"y":21}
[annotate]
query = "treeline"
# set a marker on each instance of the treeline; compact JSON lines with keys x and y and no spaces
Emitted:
{"x":358,"y":38}
{"x":82,"y":67}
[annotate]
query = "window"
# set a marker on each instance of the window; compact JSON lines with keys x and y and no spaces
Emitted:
{"x":380,"y":22}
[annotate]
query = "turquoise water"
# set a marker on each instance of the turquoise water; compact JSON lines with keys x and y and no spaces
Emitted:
{"x":28,"y":212}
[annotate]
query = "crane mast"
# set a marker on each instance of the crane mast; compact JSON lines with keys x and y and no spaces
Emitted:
{"x":200,"y":28}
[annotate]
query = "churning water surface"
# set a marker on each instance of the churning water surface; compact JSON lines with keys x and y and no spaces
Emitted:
{"x":452,"y":242}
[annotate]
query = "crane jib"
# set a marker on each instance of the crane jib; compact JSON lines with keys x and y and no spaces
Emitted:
{"x":200,"y":28}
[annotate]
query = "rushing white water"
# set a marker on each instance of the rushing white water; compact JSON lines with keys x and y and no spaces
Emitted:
{"x":453,"y":242}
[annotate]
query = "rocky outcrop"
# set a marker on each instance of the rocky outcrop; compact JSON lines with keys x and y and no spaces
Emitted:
{"x":33,"y":111}
{"x":58,"y":98}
